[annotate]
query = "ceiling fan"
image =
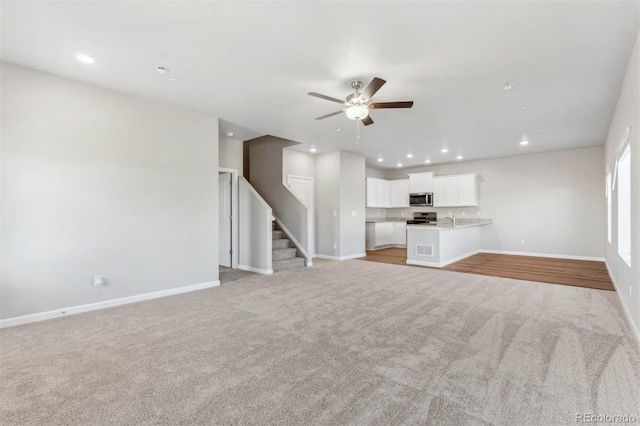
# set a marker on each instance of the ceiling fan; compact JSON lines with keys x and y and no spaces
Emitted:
{"x":358,"y":104}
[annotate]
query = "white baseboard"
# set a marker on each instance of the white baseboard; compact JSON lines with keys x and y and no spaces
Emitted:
{"x":351,"y":256}
{"x":257,"y":270}
{"x":624,"y":306}
{"x":554,"y":256}
{"x":41,"y":316}
{"x":309,"y":263}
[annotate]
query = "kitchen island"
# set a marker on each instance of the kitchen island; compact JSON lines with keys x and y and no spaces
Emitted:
{"x":445,"y":243}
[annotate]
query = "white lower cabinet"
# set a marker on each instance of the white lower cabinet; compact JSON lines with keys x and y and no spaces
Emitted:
{"x":385,"y":234}
{"x":399,"y":234}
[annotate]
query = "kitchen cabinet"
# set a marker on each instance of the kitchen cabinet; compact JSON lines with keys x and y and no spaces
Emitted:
{"x":384,"y":193}
{"x":420,"y":182}
{"x":399,"y":190}
{"x":468,"y":189}
{"x":455,"y":190}
{"x":385,"y":234}
{"x":378,"y":193}
{"x":399,"y":234}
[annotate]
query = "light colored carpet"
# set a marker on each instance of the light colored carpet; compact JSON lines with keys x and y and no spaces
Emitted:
{"x":229,"y":275}
{"x":340,"y":343}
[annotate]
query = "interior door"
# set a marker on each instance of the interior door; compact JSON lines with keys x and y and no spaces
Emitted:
{"x":224,"y":217}
{"x":303,"y":188}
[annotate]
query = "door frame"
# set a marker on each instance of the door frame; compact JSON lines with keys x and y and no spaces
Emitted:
{"x":310,"y":179}
{"x":235,"y":252}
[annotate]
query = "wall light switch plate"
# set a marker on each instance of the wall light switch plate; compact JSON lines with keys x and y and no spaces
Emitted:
{"x":98,"y":281}
{"x":335,"y":246}
{"x":353,"y":213}
{"x":478,"y":214}
{"x":521,"y":242}
{"x":335,"y":213}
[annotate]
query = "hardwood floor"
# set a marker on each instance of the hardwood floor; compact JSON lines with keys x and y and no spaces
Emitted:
{"x":578,"y":273}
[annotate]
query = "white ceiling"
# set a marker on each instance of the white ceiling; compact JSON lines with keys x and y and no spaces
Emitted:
{"x":252,"y":63}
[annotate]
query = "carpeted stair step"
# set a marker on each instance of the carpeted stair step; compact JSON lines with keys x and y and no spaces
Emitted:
{"x":276,"y":235}
{"x":285,"y":253}
{"x":280,"y":244}
{"x":287,"y":264}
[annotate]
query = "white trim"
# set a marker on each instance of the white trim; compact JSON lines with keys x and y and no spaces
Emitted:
{"x":257,"y":270}
{"x":554,"y":256}
{"x":41,"y":316}
{"x":627,"y":314}
{"x":441,"y":264}
{"x":351,"y":256}
{"x":235,"y":216}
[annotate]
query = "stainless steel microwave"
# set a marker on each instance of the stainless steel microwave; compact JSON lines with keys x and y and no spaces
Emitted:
{"x":421,"y":199}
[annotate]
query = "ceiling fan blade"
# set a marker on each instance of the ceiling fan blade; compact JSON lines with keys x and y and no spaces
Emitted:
{"x":328,"y":115}
{"x":379,"y":105}
{"x":367,"y":120}
{"x":372,"y":88}
{"x":328,"y":98}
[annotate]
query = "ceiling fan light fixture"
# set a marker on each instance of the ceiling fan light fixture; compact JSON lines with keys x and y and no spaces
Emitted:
{"x":357,"y":112}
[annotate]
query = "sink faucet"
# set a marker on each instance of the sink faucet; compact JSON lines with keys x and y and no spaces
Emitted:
{"x":451,"y":218}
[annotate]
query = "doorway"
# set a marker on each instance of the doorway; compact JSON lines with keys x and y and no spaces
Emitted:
{"x":302,"y":187}
{"x":225,"y":219}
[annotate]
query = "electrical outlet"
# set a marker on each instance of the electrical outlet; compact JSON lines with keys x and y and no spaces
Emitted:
{"x":335,"y":246}
{"x":98,"y":281}
{"x":478,"y":214}
{"x":335,"y":213}
{"x":463,"y":213}
{"x":353,"y":213}
{"x":401,"y":213}
{"x":521,"y":242}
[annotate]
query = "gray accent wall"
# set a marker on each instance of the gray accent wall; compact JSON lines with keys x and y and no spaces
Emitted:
{"x":95,"y":182}
{"x":627,"y":113}
{"x":230,"y":154}
{"x":554,"y":201}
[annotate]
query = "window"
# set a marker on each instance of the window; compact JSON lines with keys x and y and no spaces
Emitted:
{"x":624,"y":205}
{"x":608,"y":194}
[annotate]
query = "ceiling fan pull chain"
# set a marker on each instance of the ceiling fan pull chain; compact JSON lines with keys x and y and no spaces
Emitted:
{"x":357,"y":133}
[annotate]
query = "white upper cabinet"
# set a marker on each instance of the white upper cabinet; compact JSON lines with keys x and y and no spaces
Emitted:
{"x":468,"y":189}
{"x":383,"y":193}
{"x":372,"y":192}
{"x":420,"y":182}
{"x":455,"y":190}
{"x":399,"y":193}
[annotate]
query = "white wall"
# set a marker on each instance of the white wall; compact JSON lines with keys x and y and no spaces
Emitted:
{"x":255,"y":241}
{"x":553,"y":201}
{"x":340,"y":191}
{"x":230,"y":154}
{"x":95,"y":182}
{"x":627,"y":114}
{"x":352,"y":205}
{"x":297,"y":163}
{"x":327,"y":186}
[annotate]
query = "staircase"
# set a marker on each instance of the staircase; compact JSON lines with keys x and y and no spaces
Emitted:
{"x":284,"y":252}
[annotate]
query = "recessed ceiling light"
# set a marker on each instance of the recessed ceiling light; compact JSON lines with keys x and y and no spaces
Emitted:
{"x":399,"y":164}
{"x":230,"y":134}
{"x":409,"y":155}
{"x":173,"y":79}
{"x":524,"y":143}
{"x":380,"y":160}
{"x":444,"y":150}
{"x":312,"y":150}
{"x":427,"y":161}
{"x":85,"y":58}
{"x":338,"y":129}
{"x":508,"y":86}
{"x":162,"y":70}
{"x":459,"y":157}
